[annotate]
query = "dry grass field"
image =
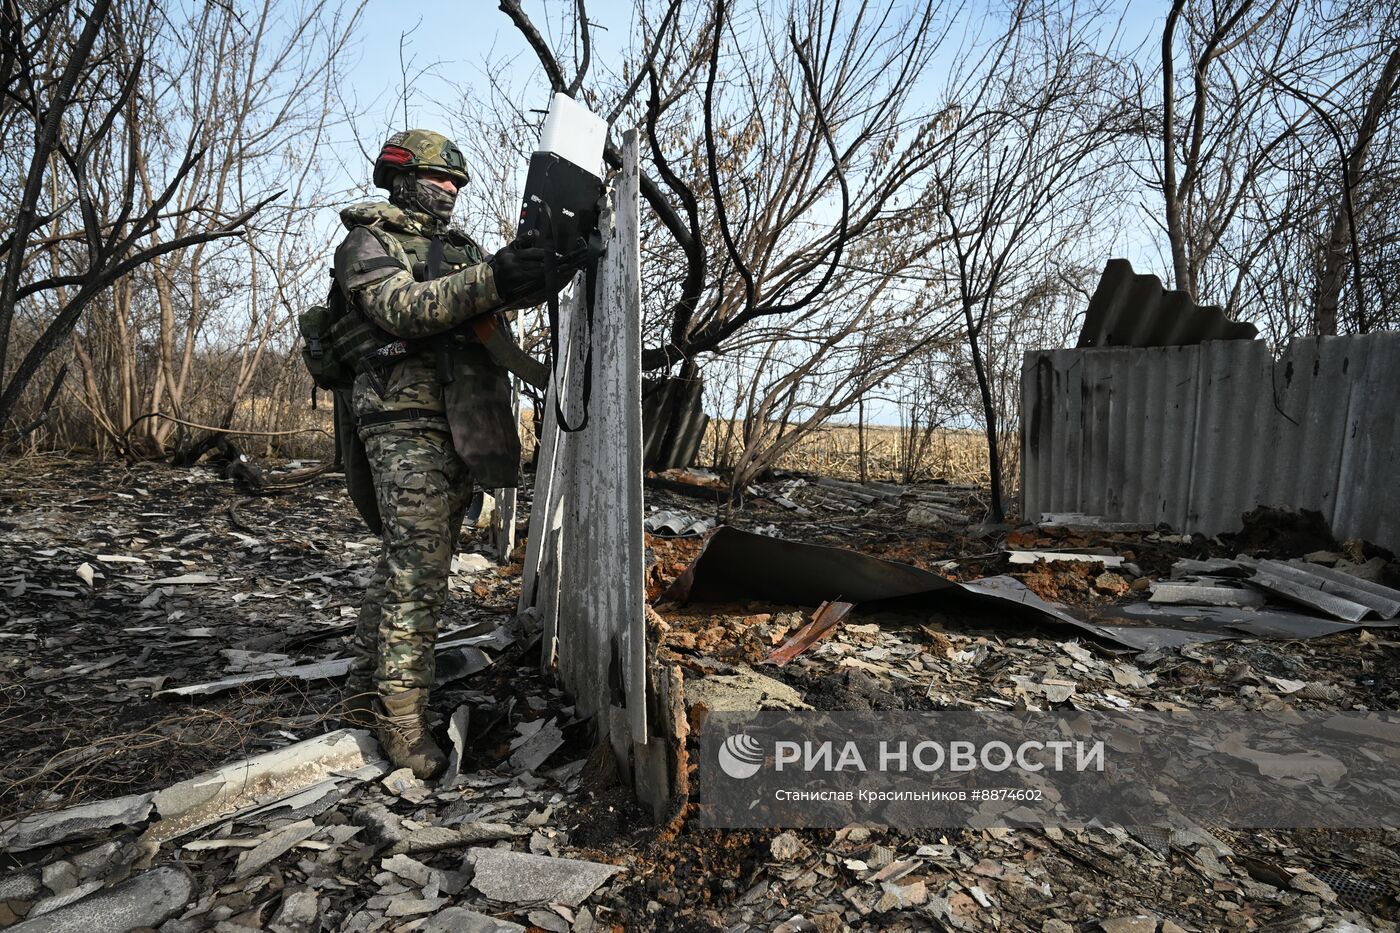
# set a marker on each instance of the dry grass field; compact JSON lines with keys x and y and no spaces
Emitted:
{"x":957,"y":456}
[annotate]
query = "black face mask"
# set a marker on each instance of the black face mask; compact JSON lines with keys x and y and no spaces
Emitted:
{"x":421,"y":195}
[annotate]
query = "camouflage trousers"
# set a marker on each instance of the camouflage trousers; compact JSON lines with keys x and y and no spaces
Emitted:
{"x":422,"y":488}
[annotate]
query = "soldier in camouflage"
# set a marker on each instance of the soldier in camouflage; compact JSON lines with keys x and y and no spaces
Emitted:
{"x":433,"y":413}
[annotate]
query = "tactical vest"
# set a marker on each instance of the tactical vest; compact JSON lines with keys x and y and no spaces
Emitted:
{"x":338,"y":339}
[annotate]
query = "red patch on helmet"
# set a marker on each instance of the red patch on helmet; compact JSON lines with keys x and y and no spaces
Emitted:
{"x":395,"y":155}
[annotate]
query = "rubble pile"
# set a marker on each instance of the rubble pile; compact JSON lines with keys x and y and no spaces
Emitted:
{"x":170,"y":653}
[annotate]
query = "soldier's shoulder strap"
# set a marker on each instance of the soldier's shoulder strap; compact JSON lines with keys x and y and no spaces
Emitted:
{"x":364,"y":258}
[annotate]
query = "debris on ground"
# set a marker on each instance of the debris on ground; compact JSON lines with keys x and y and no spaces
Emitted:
{"x":131,"y":802}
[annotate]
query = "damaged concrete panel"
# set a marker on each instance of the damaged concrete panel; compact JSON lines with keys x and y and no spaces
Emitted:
{"x":44,"y":829}
{"x":320,"y":670}
{"x":1383,"y":600}
{"x":1194,"y":436}
{"x":1181,"y":624}
{"x":262,"y":779}
{"x":583,"y":568}
{"x":145,"y":901}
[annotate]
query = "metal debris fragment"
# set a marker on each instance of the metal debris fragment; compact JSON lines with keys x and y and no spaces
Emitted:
{"x":828,"y":615}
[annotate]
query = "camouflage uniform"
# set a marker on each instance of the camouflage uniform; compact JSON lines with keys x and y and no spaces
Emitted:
{"x":422,"y":463}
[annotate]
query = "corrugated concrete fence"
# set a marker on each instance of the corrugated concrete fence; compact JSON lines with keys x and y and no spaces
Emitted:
{"x":1195,"y":436}
{"x":582,"y":576}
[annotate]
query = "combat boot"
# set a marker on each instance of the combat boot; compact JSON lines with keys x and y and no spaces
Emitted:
{"x":403,"y":731}
{"x":357,"y":708}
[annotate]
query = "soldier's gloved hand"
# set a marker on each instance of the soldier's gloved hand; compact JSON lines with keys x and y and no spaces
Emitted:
{"x":518,"y":270}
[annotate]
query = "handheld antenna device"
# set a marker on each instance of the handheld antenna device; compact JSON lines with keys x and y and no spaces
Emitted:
{"x":560,"y":205}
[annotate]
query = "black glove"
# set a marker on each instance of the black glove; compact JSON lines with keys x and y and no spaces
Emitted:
{"x":518,"y":270}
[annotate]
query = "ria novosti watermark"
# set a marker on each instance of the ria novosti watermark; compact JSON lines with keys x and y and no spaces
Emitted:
{"x":993,"y":768}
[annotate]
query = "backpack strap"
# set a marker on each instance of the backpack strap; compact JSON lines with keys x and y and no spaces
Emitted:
{"x":377,"y":262}
{"x":441,"y":349}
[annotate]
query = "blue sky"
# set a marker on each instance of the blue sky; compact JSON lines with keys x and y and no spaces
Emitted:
{"x":460,"y":49}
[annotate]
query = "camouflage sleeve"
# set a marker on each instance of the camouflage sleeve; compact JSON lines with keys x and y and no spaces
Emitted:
{"x":374,"y":273}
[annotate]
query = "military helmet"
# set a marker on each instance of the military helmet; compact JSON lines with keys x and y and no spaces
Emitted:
{"x":415,"y":150}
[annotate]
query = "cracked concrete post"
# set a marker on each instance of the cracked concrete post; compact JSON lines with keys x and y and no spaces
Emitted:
{"x":583,"y":565}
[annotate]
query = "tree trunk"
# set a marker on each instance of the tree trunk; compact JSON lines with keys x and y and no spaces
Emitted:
{"x":1343,"y":221}
{"x":989,"y":412}
{"x":1171,"y":191}
{"x":860,"y":427}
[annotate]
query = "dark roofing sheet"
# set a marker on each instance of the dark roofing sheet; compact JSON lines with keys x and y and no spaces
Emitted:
{"x":1131,"y":310}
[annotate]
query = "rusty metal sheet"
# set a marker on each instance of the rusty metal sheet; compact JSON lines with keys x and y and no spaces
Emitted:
{"x":822,"y":624}
{"x":735,"y":565}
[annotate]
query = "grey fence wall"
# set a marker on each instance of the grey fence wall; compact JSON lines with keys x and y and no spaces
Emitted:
{"x":1195,"y":436}
{"x":583,"y":561}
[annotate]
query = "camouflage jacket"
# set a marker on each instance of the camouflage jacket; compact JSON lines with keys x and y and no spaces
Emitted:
{"x":381,"y":269}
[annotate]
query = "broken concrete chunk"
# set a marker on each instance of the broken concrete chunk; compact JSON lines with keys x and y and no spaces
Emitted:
{"x":145,"y":901}
{"x":471,"y":564}
{"x":43,"y":829}
{"x":536,"y":748}
{"x":272,"y":848}
{"x":60,"y":876}
{"x":548,"y":920}
{"x":1202,"y":594}
{"x":21,"y":887}
{"x":520,"y":878}
{"x":104,"y":860}
{"x":71,"y":896}
{"x":1030,"y":557}
{"x":263,"y":779}
{"x":406,"y":905}
{"x":742,"y":691}
{"x":435,"y":838}
{"x":408,"y":869}
{"x":1140,"y":923}
{"x":385,"y":828}
{"x":786,"y":846}
{"x":896,"y":896}
{"x":1111,"y":584}
{"x":402,"y":783}
{"x":299,"y":913}
{"x":461,"y":920}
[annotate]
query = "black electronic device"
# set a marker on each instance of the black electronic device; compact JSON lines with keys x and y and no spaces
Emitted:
{"x":560,"y":206}
{"x":563,"y":186}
